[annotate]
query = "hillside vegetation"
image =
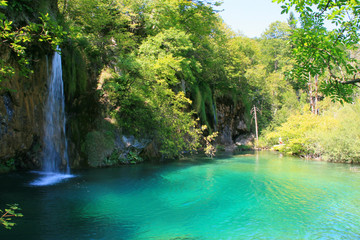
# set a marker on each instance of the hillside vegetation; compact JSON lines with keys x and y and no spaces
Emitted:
{"x":158,"y":67}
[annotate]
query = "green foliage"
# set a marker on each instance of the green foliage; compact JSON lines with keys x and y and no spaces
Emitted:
{"x":152,"y":57}
{"x":7,"y":165}
{"x":220,"y":148}
{"x":19,"y":39}
{"x":209,"y":149}
{"x":323,"y":52}
{"x":340,"y":141}
{"x":6,"y":216}
{"x":294,"y":133}
{"x":333,"y":136}
{"x":243,"y":148}
{"x":133,"y":158}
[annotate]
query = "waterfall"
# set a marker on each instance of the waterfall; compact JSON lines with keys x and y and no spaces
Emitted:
{"x":55,"y":160}
{"x":55,"y":144}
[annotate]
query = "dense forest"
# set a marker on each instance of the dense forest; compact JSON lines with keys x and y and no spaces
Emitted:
{"x":164,"y":73}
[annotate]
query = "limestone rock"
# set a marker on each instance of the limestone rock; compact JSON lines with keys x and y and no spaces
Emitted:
{"x":231,"y":122}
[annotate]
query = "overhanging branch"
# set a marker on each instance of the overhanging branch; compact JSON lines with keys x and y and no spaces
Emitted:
{"x":357,"y":80}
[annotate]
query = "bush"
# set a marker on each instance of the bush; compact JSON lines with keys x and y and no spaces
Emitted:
{"x":340,"y":140}
{"x":333,"y":136}
{"x":293,"y":133}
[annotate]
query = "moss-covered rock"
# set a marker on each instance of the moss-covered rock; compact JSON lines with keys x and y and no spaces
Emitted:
{"x":106,"y":146}
{"x":99,"y":146}
{"x":7,"y":165}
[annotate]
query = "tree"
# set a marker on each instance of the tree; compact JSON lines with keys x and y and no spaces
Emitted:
{"x":320,"y":51}
{"x":162,"y":60}
{"x":17,"y":39}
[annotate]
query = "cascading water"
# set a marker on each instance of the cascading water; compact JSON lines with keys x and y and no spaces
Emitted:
{"x":55,"y":158}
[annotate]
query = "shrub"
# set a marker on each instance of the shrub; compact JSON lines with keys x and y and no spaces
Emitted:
{"x":340,"y":140}
{"x":333,"y":136}
{"x":7,"y":215}
{"x":293,"y":133}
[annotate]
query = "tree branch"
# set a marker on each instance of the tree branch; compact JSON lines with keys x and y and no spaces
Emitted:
{"x":326,"y":7}
{"x":356,"y":80}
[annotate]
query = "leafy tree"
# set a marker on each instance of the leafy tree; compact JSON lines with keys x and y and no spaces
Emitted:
{"x":162,"y":59}
{"x":275,"y":47}
{"x":320,"y":51}
{"x":17,"y":39}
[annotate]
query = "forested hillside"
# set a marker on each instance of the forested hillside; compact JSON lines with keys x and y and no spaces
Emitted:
{"x":156,"y":71}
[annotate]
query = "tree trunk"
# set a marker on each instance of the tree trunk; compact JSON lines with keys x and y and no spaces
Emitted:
{"x":312,"y":107}
{"x":316,"y":110}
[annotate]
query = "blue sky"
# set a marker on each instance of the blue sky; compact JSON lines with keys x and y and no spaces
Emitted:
{"x":250,"y":17}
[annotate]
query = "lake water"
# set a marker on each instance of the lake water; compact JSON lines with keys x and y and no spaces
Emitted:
{"x":253,"y":196}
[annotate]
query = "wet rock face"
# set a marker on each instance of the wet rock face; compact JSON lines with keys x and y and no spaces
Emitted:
{"x":21,"y":115}
{"x":231,"y":123}
{"x":22,"y":99}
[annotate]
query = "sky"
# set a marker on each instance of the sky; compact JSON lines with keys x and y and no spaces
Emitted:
{"x":251,"y":17}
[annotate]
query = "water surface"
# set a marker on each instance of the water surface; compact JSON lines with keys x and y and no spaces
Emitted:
{"x":256,"y":196}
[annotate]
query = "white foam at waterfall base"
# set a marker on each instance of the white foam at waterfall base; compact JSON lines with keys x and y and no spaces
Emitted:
{"x":50,"y":178}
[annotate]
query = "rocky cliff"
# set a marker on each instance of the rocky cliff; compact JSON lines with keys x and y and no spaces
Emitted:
{"x":231,"y":122}
{"x":21,"y":114}
{"x":22,"y":99}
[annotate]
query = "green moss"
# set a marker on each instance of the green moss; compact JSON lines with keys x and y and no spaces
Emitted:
{"x":74,"y":72}
{"x":203,"y":104}
{"x":220,"y":148}
{"x":98,"y":147}
{"x":243,"y":148}
{"x":7,"y":165}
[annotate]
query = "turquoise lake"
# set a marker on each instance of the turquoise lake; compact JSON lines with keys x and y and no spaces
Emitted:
{"x":259,"y":195}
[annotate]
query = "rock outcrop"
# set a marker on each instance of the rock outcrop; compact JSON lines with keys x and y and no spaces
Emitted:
{"x":231,"y":121}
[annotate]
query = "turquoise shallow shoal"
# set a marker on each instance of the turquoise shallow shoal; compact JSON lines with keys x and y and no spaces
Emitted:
{"x":251,"y":196}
